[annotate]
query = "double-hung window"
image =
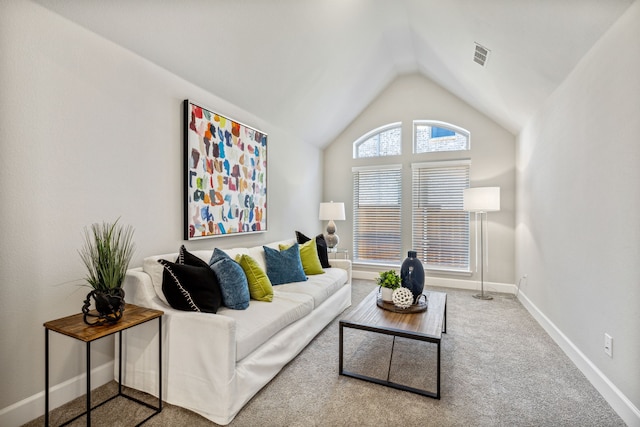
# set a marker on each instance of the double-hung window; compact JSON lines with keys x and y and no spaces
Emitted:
{"x":377,"y":212}
{"x":440,"y":225}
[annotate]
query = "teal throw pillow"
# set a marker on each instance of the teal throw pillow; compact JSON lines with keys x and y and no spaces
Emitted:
{"x":284,"y":266}
{"x":232,"y":280}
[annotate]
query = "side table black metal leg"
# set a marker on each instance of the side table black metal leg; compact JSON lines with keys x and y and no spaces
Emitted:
{"x":120,"y":363}
{"x":46,"y":377}
{"x":159,"y":363}
{"x":88,"y":383}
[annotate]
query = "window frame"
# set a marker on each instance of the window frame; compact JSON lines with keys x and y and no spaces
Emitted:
{"x":439,"y":124}
{"x":374,"y":132}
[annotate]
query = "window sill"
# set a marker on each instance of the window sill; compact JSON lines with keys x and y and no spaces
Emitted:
{"x":437,"y":271}
{"x":441,"y":271}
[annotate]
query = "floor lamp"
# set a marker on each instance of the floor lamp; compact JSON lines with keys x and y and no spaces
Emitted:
{"x":481,"y":200}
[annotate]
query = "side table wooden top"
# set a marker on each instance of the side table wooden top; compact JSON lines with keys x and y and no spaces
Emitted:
{"x":74,"y":326}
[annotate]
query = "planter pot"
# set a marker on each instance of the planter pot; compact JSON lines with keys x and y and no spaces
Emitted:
{"x":109,"y":307}
{"x":387,"y":294}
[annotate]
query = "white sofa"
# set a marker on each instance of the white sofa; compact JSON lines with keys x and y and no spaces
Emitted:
{"x":214,"y":363}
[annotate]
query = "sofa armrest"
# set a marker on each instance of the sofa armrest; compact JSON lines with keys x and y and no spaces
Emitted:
{"x":138,"y":289}
{"x":195,"y":345}
{"x":344,"y":264}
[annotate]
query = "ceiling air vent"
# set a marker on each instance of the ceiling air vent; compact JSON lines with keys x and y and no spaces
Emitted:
{"x":481,"y":54}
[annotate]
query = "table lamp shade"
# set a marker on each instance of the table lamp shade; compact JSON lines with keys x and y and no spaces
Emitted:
{"x":332,"y":211}
{"x":481,"y":199}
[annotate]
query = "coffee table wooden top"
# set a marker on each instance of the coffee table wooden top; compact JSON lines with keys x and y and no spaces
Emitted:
{"x":75,"y":327}
{"x":426,"y":324}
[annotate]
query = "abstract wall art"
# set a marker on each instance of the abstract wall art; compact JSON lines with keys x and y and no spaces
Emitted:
{"x":225,"y":165}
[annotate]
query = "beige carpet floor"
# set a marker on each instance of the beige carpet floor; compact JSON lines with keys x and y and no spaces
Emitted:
{"x":499,"y":368}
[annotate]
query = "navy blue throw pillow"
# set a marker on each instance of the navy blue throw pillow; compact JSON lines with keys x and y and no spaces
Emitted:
{"x":284,"y":266}
{"x":233,"y":281}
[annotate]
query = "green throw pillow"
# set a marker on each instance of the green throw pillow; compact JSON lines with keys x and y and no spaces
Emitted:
{"x":259,"y":284}
{"x":309,"y":257}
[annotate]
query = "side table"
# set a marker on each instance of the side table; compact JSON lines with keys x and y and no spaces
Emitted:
{"x":344,"y":253}
{"x":74,"y":327}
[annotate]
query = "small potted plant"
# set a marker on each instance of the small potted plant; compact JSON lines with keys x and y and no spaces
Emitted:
{"x":107,"y":251}
{"x":388,"y":282}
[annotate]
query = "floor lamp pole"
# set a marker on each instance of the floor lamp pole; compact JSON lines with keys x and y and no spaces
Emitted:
{"x":482,"y":295}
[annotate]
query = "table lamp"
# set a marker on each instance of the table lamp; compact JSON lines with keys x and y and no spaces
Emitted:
{"x":331,"y":212}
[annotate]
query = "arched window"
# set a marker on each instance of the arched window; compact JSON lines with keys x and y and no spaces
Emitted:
{"x":430,"y":136}
{"x":439,"y":226}
{"x":383,"y":141}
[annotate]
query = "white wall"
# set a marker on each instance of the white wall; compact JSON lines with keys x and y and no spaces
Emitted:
{"x":91,"y":132}
{"x":492,"y":157}
{"x":578,"y":233}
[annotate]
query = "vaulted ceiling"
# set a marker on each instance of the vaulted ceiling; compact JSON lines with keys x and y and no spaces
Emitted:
{"x":311,"y":66}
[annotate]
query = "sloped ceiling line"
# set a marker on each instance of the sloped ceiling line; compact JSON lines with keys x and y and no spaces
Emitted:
{"x":292,"y":62}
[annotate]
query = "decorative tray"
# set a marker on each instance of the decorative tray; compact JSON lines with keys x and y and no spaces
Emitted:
{"x":415,"y":308}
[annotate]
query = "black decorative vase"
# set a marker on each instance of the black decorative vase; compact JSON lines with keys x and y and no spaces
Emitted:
{"x":412,"y":275}
{"x":109,"y":307}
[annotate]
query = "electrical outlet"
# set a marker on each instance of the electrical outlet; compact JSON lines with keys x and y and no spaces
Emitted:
{"x":608,"y":345}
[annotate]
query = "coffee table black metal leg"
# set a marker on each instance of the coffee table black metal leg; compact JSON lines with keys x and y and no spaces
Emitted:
{"x":438,"y":364}
{"x":340,"y":349}
{"x":444,"y":320}
{"x":393,"y":345}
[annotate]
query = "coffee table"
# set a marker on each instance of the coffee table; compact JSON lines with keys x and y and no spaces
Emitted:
{"x":425,"y":326}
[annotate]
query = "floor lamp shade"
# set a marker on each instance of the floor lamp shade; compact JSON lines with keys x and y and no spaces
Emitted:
{"x":481,"y":200}
{"x":332,"y":211}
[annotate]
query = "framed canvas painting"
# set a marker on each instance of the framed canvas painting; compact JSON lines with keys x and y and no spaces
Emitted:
{"x":225,"y":165}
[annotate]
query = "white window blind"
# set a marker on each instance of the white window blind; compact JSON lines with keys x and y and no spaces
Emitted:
{"x":377,"y":211}
{"x":440,"y":226}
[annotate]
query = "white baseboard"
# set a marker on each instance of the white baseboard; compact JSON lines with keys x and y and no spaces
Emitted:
{"x":33,"y":407}
{"x":618,"y":401}
{"x":448,"y":282}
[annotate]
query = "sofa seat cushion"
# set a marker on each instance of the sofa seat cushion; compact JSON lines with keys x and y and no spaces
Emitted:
{"x":262,"y":320}
{"x":320,"y":287}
